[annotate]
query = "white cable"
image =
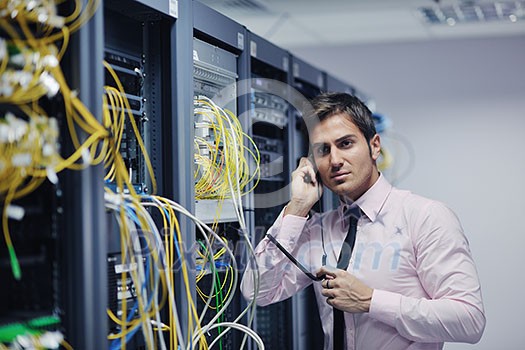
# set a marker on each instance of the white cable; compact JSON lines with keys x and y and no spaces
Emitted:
{"x":208,"y":245}
{"x":139,"y":279}
{"x":237,"y":203}
{"x":240,"y":327}
{"x":113,"y":202}
{"x":203,"y":227}
{"x":240,"y":216}
{"x":171,"y":293}
{"x":157,"y":245}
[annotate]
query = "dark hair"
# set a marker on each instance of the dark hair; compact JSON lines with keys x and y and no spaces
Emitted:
{"x":330,"y":103}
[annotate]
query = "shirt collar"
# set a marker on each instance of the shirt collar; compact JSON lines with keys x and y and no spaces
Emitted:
{"x":373,"y":199}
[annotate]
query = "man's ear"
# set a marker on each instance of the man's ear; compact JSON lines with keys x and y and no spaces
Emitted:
{"x":375,"y":147}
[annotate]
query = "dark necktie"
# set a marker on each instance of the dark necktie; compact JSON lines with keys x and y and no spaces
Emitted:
{"x":342,"y":263}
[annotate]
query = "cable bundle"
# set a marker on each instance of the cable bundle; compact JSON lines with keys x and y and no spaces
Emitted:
{"x":222,"y":169}
{"x":144,"y":261}
{"x":153,"y":257}
{"x":29,"y":153}
{"x":30,"y":71}
{"x":27,"y":146}
{"x":33,"y":41}
{"x":165,"y":251}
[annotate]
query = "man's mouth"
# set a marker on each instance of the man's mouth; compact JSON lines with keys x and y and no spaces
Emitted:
{"x":339,"y":176}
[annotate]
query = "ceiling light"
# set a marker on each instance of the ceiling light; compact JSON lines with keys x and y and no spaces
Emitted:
{"x":451,"y":21}
{"x":471,"y":11}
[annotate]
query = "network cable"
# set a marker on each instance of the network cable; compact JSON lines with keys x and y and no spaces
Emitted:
{"x":30,"y":69}
{"x":218,"y":162}
{"x":220,"y":152}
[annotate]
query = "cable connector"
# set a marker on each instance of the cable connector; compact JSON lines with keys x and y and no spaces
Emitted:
{"x":15,"y":212}
{"x":3,"y":49}
{"x":49,"y":82}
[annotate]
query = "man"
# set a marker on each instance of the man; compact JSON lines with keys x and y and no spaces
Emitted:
{"x":411,"y":282}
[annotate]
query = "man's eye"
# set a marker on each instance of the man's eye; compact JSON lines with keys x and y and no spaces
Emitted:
{"x":346,"y":143}
{"x":322,"y":151}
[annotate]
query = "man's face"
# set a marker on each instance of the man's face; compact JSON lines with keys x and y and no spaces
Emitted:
{"x":345,"y":162}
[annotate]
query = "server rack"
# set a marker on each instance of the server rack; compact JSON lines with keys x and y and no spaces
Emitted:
{"x":219,"y":73}
{"x":218,"y":65}
{"x":181,"y":130}
{"x":135,"y":49}
{"x":309,"y":81}
{"x":152,"y":40}
{"x":85,"y":252}
{"x":270,"y":128}
{"x":333,"y":84}
{"x":52,"y":291}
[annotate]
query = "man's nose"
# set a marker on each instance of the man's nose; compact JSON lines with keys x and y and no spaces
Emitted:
{"x":336,"y":158}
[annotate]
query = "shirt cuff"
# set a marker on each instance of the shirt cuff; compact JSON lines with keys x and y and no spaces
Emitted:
{"x":385,"y":306}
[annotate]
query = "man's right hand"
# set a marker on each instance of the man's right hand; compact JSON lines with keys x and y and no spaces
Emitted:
{"x":306,"y":190}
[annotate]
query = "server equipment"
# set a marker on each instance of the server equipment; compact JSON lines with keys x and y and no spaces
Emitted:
{"x":269,"y":121}
{"x":310,"y":82}
{"x":214,"y":76}
{"x":44,"y":120}
{"x":333,"y":84}
{"x":136,"y":66}
{"x":221,"y":168}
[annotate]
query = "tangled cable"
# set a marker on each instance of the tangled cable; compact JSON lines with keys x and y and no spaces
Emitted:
{"x":220,"y":152}
{"x":30,"y":71}
{"x":30,"y":153}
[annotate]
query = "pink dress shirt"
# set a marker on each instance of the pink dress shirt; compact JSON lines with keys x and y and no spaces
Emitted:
{"x":411,"y":250}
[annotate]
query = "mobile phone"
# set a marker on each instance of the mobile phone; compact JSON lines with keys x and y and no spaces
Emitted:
{"x":307,"y":177}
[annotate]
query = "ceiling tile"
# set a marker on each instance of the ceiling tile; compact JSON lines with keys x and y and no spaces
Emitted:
{"x":300,"y":23}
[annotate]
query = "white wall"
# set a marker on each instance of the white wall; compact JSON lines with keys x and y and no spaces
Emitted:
{"x":461,"y":105}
